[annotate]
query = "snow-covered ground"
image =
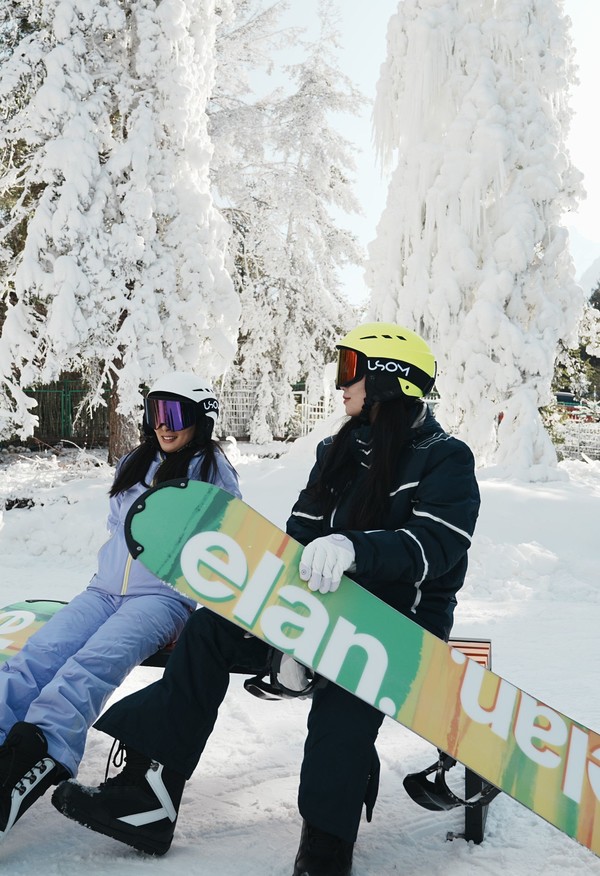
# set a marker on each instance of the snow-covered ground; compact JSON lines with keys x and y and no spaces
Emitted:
{"x":533,"y":588}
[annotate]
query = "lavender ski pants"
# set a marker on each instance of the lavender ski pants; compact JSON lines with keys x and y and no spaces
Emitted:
{"x":65,"y":673}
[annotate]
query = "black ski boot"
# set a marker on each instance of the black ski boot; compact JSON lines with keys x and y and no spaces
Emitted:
{"x":138,"y":806}
{"x":26,"y":772}
{"x":322,"y":854}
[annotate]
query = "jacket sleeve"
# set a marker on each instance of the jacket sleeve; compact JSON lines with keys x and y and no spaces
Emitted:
{"x":305,"y":522}
{"x":438,"y":532}
{"x":114,"y":503}
{"x":226,"y":476}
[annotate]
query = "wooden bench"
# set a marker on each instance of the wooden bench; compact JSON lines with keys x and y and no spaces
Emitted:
{"x":160,"y":658}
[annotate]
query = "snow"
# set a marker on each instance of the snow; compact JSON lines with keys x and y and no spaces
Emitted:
{"x":531,"y":588}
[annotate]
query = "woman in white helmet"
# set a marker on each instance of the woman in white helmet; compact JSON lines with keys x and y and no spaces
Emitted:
{"x":55,"y":687}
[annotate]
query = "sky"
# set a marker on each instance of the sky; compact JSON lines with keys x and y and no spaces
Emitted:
{"x":363,"y":50}
{"x":585,"y":17}
{"x":530,"y":589}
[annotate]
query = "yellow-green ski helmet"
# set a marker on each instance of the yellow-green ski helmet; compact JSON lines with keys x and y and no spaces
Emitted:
{"x":395,"y":361}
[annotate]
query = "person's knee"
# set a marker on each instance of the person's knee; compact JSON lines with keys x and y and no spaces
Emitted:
{"x":200,"y":620}
{"x":335,"y":710}
{"x":204,"y":626}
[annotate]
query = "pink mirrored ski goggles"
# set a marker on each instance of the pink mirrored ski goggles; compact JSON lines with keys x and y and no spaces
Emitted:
{"x":175,"y":415}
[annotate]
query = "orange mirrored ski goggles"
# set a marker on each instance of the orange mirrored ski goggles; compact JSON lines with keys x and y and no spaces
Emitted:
{"x":351,"y":367}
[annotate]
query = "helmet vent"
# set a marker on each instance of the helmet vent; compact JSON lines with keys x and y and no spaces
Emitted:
{"x":387,"y":337}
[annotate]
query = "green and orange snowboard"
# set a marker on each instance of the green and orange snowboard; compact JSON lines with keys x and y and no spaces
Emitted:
{"x":219,"y":551}
{"x":20,"y":620}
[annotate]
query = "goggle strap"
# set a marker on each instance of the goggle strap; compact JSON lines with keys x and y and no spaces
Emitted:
{"x":353,"y":365}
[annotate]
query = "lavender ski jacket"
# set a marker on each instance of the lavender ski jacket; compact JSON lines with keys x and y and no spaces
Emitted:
{"x":118,"y":573}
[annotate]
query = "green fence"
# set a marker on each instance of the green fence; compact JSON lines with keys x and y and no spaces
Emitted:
{"x":59,"y":417}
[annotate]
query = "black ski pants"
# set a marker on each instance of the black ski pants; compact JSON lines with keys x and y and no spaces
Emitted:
{"x":170,"y":721}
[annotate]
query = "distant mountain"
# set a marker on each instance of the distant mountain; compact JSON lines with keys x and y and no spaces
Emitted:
{"x":590,"y":279}
{"x":586,"y":258}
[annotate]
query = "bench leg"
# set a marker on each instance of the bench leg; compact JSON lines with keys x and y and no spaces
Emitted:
{"x":474,"y":818}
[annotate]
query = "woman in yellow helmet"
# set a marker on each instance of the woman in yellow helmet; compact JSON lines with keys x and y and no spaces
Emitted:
{"x":393,"y":501}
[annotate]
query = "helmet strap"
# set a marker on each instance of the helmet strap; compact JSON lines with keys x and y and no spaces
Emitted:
{"x":365,"y":414}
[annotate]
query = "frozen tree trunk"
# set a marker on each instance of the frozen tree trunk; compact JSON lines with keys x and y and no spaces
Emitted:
{"x":123,"y":430}
{"x":470,"y":252}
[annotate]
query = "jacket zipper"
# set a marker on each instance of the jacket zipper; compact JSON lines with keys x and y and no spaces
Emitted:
{"x":126,"y":575}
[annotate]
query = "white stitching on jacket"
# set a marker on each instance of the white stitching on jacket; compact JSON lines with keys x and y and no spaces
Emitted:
{"x":444,"y":523}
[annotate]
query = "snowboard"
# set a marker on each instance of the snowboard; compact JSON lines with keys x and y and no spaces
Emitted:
{"x":217,"y":550}
{"x":20,"y":620}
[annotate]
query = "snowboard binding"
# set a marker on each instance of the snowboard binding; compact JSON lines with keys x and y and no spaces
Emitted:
{"x":284,"y":678}
{"x":435,"y":794}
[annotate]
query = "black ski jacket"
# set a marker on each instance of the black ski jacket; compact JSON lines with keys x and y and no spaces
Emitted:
{"x":419,"y":561}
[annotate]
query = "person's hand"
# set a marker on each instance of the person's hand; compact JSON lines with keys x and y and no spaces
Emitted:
{"x":324,"y":561}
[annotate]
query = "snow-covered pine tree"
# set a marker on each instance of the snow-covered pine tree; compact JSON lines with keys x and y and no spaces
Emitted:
{"x":576,"y":369}
{"x":283,"y":177}
{"x":589,"y":334}
{"x":470,"y":250}
{"x":105,"y":154}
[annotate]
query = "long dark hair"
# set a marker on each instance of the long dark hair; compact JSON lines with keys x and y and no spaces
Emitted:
{"x":390,"y":433}
{"x":174,"y":465}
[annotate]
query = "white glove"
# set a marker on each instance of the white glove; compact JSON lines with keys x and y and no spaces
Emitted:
{"x":324,"y":561}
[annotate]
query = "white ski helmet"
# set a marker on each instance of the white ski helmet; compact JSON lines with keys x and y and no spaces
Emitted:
{"x":181,"y":385}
